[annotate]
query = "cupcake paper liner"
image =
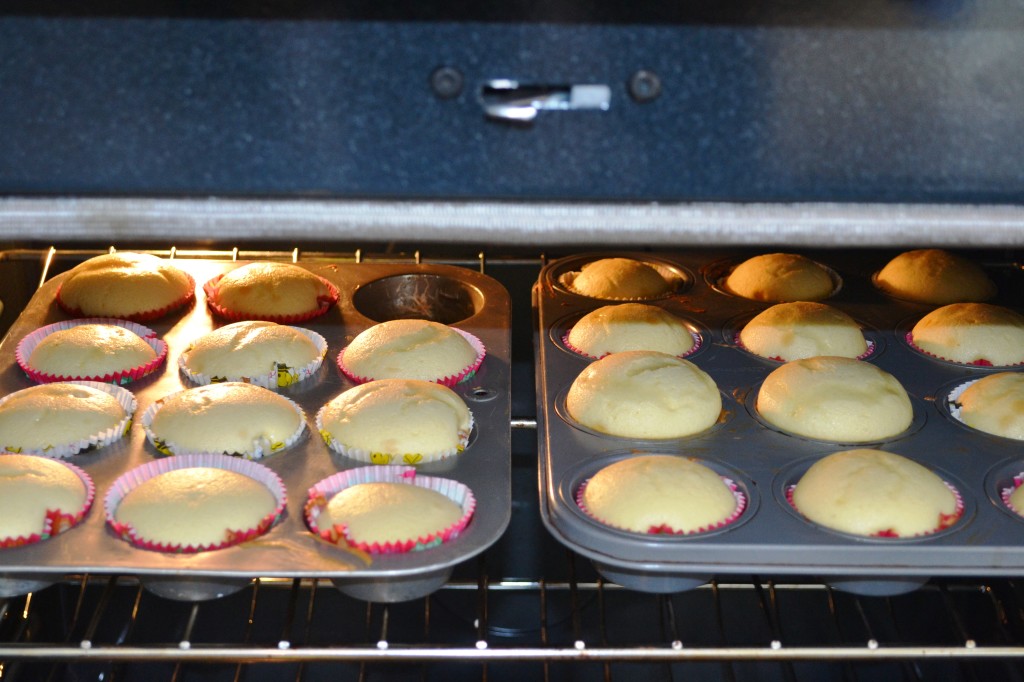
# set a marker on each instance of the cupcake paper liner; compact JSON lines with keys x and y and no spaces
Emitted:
{"x":665,"y":529}
{"x":57,"y":521}
{"x":96,"y":440}
{"x":145,"y":315}
{"x":279,"y":376}
{"x":319,"y":495}
{"x":382,"y":458}
{"x":28,"y":344}
{"x":261,"y":447}
{"x":1005,"y":493}
{"x":697,"y":343}
{"x":140,"y":474}
{"x":975,"y":363}
{"x":450,"y":381}
{"x":324,"y":304}
{"x":863,"y":356}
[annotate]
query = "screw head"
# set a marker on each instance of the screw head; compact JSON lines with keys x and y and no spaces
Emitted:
{"x":644,"y":86}
{"x":447,"y":82}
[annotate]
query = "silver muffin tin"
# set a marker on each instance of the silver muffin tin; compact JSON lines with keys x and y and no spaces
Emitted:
{"x":771,"y":537}
{"x":370,"y":293}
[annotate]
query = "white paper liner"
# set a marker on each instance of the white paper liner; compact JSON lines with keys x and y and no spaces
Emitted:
{"x":57,"y":521}
{"x":463,"y":374}
{"x":952,"y":401}
{"x":123,"y":396}
{"x":278,"y":377}
{"x":261,"y":447}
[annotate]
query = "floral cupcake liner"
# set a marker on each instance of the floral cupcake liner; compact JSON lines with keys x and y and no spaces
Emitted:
{"x":23,"y":352}
{"x":319,"y":495}
{"x":261,"y":447}
{"x":57,"y":521}
{"x":697,"y":343}
{"x":974,"y":363}
{"x":97,"y":440}
{"x":863,"y":356}
{"x":279,"y":376}
{"x":665,"y":529}
{"x":450,"y":381}
{"x":324,"y":304}
{"x":128,"y":481}
{"x":145,"y":315}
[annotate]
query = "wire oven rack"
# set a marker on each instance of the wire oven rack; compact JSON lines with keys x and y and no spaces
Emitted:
{"x":526,"y":609}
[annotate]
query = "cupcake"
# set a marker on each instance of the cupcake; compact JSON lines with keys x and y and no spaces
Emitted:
{"x":875,"y":493}
{"x":230,"y":418}
{"x":780,"y":277}
{"x":936,"y":277}
{"x":388,"y":420}
{"x":994,"y":405}
{"x":630,"y":326}
{"x":619,"y":279}
{"x":264,"y":353}
{"x":134,"y":286}
{"x":660,"y":494}
{"x":270,"y":291}
{"x":63,"y":419}
{"x":643,"y":394}
{"x":835,"y":399}
{"x":801,"y":329}
{"x":40,"y":498}
{"x":412,"y":349}
{"x":387,"y":510}
{"x":972,"y":333}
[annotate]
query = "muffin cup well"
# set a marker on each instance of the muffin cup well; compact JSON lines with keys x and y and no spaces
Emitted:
{"x":324,"y":304}
{"x":28,"y":344}
{"x":57,"y":521}
{"x":128,"y":481}
{"x":279,"y":376}
{"x":145,"y":315}
{"x":321,"y":493}
{"x":464,"y":374}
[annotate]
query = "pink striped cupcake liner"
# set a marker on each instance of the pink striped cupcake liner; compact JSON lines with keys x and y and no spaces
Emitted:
{"x":279,"y":376}
{"x":324,"y":304}
{"x":57,"y":521}
{"x":464,"y":374}
{"x":1005,"y":494}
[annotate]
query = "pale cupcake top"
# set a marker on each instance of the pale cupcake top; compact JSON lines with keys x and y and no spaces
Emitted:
{"x":30,"y":487}
{"x":995,"y":405}
{"x":802,"y":329}
{"x":618,"y":278}
{"x":195,"y":506}
{"x":935,"y":276}
{"x":659,"y":493}
{"x":124,"y":284}
{"x":381,"y":512}
{"x":90,"y":350}
{"x":398,"y":417}
{"x":630,"y":326}
{"x":644,"y":394}
{"x":270,"y":289}
{"x":247,"y":349}
{"x":408,"y":349}
{"x":874,"y":493}
{"x":972,"y":333}
{"x":835,"y":399}
{"x":51,"y":415}
{"x":780,"y":277}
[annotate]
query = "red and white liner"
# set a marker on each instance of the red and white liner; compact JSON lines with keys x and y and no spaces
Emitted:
{"x":140,"y":474}
{"x":145,"y":315}
{"x":321,"y":493}
{"x":274,"y":378}
{"x":324,"y":304}
{"x":697,"y":343}
{"x":28,"y":344}
{"x":974,"y":363}
{"x":1005,"y":494}
{"x":97,"y":440}
{"x":57,"y":521}
{"x":450,"y":381}
{"x":664,"y":529}
{"x":863,"y":356}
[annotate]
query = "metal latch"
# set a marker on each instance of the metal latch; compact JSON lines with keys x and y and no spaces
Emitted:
{"x":507,"y":100}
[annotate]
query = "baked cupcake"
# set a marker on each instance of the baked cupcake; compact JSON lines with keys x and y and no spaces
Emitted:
{"x":994,"y":405}
{"x":230,"y":418}
{"x":412,"y":349}
{"x":643,"y":394}
{"x":40,"y":498}
{"x":619,"y":279}
{"x":630,"y":326}
{"x":194,"y":503}
{"x":396,"y":420}
{"x":876,"y":494}
{"x":264,"y":353}
{"x":94,"y":349}
{"x":780,"y":277}
{"x":802,"y":329}
{"x":972,"y":334}
{"x":835,"y":399}
{"x":934,"y":276}
{"x":135,"y":286}
{"x":660,"y":494}
{"x":270,"y":291}
{"x":63,"y":419}
{"x":388,"y":510}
